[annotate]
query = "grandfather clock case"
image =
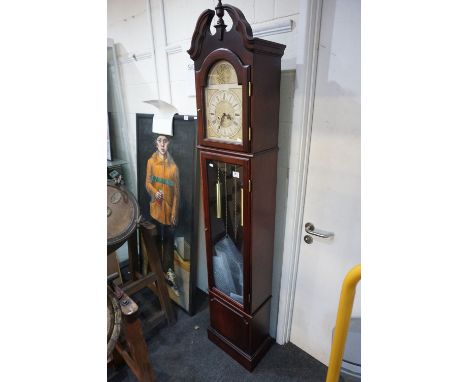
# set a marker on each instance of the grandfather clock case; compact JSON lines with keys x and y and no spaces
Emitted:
{"x":237,"y":80}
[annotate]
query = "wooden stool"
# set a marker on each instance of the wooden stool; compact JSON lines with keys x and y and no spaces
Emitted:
{"x":155,"y":279}
{"x":131,"y":346}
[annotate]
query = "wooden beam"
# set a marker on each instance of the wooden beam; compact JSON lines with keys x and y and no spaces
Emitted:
{"x":140,"y":283}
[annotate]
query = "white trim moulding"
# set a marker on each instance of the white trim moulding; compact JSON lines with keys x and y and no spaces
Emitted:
{"x":174,"y":48}
{"x":131,"y":57}
{"x":259,"y":30}
{"x":272,"y":27}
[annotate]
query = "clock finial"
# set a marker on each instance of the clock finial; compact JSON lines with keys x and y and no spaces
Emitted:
{"x":220,"y":26}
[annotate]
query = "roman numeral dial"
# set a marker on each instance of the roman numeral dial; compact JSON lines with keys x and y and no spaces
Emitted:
{"x":223,"y":104}
{"x":224,"y":115}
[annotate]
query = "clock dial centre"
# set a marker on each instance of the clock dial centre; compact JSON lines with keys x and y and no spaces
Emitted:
{"x":224,"y":114}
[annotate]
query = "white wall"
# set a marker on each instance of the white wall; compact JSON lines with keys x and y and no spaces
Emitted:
{"x":138,"y":26}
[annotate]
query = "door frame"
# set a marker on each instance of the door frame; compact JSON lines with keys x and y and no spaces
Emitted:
{"x":304,"y":96}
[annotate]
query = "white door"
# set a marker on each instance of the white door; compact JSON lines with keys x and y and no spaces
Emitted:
{"x":333,"y":183}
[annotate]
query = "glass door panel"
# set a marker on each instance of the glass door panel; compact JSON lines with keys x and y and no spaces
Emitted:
{"x":226,"y":215}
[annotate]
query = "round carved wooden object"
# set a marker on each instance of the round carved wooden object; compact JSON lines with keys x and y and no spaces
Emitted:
{"x":122,"y":215}
{"x":114,"y":322}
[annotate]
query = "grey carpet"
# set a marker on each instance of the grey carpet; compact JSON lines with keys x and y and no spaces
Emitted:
{"x":182,"y":352}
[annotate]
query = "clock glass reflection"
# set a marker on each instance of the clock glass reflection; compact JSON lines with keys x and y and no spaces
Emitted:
{"x":226,"y":199}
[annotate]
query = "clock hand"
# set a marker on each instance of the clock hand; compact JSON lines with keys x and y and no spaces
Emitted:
{"x":222,"y":119}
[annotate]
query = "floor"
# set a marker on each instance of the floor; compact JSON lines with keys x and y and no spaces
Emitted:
{"x":182,"y":352}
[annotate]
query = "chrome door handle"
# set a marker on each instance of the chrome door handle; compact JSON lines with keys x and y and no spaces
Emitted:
{"x":310,"y":229}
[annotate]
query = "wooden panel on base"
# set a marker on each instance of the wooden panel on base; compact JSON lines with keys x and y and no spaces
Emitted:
{"x":243,"y":336}
{"x":246,"y":360}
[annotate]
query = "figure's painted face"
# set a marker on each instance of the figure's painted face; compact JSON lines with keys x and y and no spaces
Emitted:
{"x":162,"y":143}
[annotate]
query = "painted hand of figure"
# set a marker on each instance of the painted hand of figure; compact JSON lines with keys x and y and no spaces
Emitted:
{"x":173,"y":220}
{"x":158,"y":195}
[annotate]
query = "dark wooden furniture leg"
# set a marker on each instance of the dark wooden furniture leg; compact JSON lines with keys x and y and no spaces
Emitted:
{"x":134,"y":350}
{"x":133,"y":262}
{"x":154,"y":279}
{"x":148,"y":231}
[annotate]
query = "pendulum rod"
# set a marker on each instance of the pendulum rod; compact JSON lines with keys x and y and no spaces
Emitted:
{"x":235,"y":204}
{"x":242,"y":207}
{"x":225,"y":198}
{"x":218,"y":197}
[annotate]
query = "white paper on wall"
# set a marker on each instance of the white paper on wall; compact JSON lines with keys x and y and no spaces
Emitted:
{"x":163,"y":115}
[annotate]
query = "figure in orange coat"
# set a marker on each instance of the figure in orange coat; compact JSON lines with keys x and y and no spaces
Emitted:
{"x":162,"y":184}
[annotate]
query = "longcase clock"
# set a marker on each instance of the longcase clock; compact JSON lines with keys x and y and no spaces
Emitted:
{"x":237,"y":89}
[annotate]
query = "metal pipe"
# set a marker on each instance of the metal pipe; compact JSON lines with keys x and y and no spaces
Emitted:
{"x":345,"y":307}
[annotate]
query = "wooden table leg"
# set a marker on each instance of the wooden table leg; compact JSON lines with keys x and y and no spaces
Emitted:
{"x":139,"y":350}
{"x":133,"y":263}
{"x":134,"y":350}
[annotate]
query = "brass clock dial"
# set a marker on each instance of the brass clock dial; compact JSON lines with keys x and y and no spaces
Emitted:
{"x":223,"y":104}
{"x":224,"y":116}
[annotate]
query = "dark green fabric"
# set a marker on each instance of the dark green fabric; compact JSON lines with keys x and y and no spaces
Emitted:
{"x":155,"y":179}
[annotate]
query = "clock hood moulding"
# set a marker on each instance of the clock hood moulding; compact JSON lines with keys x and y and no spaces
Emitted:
{"x":239,"y":38}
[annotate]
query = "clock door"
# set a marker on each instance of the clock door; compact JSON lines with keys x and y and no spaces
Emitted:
{"x":226,"y":199}
{"x":223,"y":96}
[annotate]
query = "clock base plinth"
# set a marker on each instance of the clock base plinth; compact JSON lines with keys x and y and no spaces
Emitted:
{"x":249,"y":361}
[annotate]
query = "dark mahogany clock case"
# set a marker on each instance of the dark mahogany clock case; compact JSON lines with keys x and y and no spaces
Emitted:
{"x":242,"y":330}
